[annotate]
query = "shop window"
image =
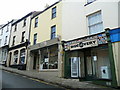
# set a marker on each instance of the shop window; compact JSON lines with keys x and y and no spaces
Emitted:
{"x":53,"y":12}
{"x":95,"y":24}
{"x":101,"y":64}
{"x":15,"y":60}
{"x":53,"y":32}
{"x":22,"y":56}
{"x":49,"y":59}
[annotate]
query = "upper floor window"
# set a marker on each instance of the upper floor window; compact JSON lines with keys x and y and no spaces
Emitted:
{"x":23,"y":36}
{"x":6,"y":39}
{"x":53,"y":32}
{"x":95,"y":23}
{"x":24,"y":22}
{"x":35,"y":39}
{"x":13,"y":43}
{"x":7,"y":28}
{"x":2,"y":31}
{"x":15,"y":28}
{"x":53,"y":12}
{"x":0,"y":42}
{"x":36,"y":22}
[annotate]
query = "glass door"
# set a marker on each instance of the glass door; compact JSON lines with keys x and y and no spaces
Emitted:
{"x":75,"y":67}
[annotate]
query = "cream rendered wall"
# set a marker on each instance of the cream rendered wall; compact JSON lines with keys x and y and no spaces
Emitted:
{"x":116,"y":52}
{"x":73,"y":20}
{"x":18,"y":32}
{"x":74,"y":16}
{"x":109,"y":11}
{"x":45,"y":23}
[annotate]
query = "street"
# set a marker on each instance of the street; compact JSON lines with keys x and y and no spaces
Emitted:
{"x":11,"y":80}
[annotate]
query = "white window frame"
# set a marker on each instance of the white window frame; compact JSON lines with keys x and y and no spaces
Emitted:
{"x":100,"y":22}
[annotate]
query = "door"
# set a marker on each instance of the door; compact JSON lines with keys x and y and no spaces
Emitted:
{"x":89,"y":65}
{"x":75,"y":67}
{"x":34,"y":62}
{"x":10,"y":58}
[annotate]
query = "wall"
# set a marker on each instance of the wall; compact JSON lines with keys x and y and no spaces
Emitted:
{"x":119,"y":14}
{"x":18,"y":32}
{"x":3,"y":36}
{"x":73,"y":20}
{"x":74,"y":16}
{"x":116,"y":50}
{"x":44,"y":24}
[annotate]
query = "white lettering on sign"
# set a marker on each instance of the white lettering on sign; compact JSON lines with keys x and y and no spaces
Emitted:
{"x":84,"y":44}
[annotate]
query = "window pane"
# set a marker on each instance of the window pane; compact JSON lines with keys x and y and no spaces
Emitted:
{"x":95,"y":23}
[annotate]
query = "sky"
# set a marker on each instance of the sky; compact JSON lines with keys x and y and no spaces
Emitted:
{"x":16,"y":9}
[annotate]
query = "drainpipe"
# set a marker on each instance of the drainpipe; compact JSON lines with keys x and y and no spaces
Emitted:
{"x":111,"y":58}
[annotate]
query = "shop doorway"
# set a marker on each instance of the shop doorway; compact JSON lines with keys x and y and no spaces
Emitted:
{"x":34,"y":62}
{"x":89,"y":65}
{"x":75,"y":67}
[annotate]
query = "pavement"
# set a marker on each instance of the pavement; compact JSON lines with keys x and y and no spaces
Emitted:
{"x":52,"y":78}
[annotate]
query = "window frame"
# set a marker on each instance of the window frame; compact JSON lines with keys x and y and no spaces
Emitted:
{"x":24,"y":22}
{"x":95,"y":24}
{"x":36,"y":22}
{"x":23,"y":36}
{"x":54,"y":13}
{"x":15,"y":29}
{"x":13,"y":42}
{"x":35,"y":39}
{"x":7,"y":28}
{"x":5,"y":40}
{"x":53,"y":32}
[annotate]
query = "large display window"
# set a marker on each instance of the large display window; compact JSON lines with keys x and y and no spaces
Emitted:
{"x":49,"y":58}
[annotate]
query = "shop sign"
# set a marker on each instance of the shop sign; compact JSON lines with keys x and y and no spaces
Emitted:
{"x":84,"y":44}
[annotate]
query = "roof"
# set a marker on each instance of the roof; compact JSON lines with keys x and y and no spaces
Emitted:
{"x":2,"y":26}
{"x":23,"y":17}
{"x":47,"y":8}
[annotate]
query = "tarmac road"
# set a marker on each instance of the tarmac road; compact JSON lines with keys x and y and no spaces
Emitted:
{"x":11,"y":80}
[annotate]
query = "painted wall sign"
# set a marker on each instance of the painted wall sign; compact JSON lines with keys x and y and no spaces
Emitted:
{"x":86,"y":42}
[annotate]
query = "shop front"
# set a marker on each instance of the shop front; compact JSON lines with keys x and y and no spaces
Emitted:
{"x":43,"y":56}
{"x":87,"y":59}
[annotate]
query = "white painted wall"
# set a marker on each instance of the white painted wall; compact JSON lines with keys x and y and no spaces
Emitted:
{"x":74,"y":16}
{"x":6,"y":32}
{"x":18,"y":32}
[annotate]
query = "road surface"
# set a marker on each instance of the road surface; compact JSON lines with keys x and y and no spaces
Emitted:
{"x":11,"y":80}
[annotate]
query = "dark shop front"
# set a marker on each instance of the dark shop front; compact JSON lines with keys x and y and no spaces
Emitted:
{"x":87,"y":58}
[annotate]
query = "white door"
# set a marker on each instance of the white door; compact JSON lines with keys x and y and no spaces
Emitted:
{"x":75,"y":67}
